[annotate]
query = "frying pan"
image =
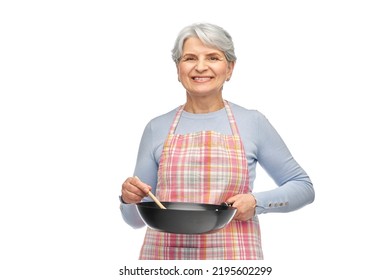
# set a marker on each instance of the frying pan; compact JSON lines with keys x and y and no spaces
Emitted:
{"x":186,"y":218}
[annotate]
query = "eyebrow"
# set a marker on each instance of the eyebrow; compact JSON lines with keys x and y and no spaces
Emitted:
{"x":209,"y":54}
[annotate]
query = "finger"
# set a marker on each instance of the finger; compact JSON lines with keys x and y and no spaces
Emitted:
{"x":237,"y":216}
{"x":144,"y":187}
{"x":231,"y":200}
{"x":129,"y":197}
{"x":130,"y":187}
{"x":134,"y":184}
{"x":133,"y":191}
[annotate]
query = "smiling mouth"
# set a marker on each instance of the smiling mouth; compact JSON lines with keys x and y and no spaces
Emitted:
{"x":201,"y":79}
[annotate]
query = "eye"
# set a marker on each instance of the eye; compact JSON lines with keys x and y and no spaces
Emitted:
{"x":188,"y":58}
{"x":214,"y":58}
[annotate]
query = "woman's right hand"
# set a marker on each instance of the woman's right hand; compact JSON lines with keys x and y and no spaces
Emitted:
{"x":133,"y":190}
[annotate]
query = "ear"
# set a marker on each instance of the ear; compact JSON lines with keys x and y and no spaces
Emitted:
{"x":230,"y":69}
{"x":177,"y":71}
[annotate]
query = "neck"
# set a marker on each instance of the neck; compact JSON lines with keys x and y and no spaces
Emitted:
{"x":203,"y":105}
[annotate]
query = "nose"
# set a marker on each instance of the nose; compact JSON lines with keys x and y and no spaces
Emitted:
{"x":201,"y":65}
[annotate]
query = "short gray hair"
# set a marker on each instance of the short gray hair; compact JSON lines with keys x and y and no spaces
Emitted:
{"x":211,"y":35}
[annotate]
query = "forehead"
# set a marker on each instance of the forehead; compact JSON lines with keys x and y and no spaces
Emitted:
{"x":195,"y":46}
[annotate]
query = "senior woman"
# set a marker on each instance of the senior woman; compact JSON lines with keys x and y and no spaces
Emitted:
{"x":206,"y":151}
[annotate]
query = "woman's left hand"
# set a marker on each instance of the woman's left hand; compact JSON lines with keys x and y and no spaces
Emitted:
{"x":245,"y":204}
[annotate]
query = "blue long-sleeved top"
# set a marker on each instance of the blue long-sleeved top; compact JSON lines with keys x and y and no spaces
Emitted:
{"x":262,"y":145}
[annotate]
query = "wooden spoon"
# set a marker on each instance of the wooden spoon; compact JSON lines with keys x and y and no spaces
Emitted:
{"x":154,"y":198}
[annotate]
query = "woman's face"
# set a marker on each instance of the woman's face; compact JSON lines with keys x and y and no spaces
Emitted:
{"x":203,"y":70}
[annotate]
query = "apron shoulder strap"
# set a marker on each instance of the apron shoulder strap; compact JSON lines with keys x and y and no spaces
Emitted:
{"x":176,"y":120}
{"x":232,"y":121}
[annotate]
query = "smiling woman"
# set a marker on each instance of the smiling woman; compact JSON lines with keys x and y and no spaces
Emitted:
{"x":203,"y":71}
{"x":206,"y":151}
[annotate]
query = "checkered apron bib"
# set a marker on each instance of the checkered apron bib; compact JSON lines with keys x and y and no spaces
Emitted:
{"x":204,"y":167}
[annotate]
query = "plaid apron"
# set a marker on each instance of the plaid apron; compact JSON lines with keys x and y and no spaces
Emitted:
{"x":204,"y":167}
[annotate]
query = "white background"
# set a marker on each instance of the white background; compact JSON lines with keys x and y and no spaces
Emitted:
{"x":79,"y":80}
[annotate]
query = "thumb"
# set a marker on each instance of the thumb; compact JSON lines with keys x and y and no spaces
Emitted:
{"x":231,"y":200}
{"x":145,"y":188}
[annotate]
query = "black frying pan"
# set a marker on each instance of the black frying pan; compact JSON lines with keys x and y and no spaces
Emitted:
{"x":186,"y":218}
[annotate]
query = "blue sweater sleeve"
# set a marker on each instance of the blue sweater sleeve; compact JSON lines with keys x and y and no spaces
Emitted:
{"x":146,"y":169}
{"x":295,"y":188}
{"x":147,"y":164}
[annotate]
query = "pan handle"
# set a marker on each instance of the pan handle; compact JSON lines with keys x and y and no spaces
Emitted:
{"x":226,"y":205}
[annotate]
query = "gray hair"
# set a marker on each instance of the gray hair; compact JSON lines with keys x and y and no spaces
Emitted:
{"x":211,"y":35}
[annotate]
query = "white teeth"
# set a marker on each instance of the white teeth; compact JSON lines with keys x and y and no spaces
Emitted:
{"x":202,"y":78}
